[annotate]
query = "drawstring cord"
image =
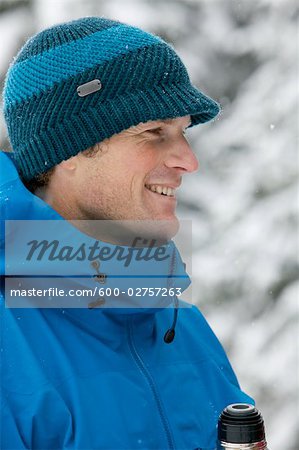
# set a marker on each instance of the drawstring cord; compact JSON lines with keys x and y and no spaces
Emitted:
{"x":170,"y":333}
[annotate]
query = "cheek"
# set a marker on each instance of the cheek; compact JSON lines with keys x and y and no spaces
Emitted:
{"x":115,"y":176}
{"x":101,"y":186}
{"x":89,"y":180}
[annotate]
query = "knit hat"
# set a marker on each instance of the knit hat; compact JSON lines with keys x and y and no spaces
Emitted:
{"x":77,"y":83}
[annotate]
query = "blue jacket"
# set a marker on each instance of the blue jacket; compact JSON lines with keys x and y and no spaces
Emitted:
{"x":96,"y":378}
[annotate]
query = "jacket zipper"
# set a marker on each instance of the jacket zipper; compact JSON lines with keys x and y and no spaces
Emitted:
{"x":141,"y":365}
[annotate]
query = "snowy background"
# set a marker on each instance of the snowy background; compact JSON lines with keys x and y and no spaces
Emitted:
{"x":243,"y":201}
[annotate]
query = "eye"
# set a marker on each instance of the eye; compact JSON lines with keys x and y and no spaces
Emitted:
{"x":155,"y":130}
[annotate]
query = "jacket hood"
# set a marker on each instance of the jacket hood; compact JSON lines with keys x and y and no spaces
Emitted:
{"x":43,"y":250}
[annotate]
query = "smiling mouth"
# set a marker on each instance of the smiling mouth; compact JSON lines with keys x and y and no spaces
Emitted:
{"x":162,"y":191}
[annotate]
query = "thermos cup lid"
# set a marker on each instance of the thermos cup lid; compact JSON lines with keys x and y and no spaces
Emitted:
{"x":241,"y":423}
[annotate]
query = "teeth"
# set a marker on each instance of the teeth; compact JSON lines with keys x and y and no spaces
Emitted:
{"x":161,"y":189}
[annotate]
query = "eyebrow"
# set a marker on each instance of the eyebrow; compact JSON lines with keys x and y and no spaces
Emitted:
{"x":154,"y":126}
{"x":170,"y":121}
{"x":165,"y":120}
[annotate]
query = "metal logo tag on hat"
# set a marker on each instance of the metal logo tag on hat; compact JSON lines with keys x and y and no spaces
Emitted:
{"x":89,"y":88}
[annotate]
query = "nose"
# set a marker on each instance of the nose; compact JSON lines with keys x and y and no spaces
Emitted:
{"x":182,"y":157}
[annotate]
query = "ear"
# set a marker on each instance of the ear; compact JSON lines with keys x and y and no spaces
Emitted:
{"x":68,"y":165}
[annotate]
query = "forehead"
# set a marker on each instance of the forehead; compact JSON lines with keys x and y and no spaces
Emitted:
{"x":178,"y":121}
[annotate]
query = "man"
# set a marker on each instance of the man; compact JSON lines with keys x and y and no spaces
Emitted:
{"x":96,"y":112}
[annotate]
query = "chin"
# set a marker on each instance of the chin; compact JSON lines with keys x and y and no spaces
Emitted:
{"x":168,"y":228}
{"x":160,"y":229}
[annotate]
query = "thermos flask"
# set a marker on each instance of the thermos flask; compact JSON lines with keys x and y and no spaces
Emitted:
{"x":241,"y":427}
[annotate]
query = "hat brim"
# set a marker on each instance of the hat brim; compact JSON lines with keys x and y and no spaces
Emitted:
{"x":172,"y":101}
{"x":191,"y":101}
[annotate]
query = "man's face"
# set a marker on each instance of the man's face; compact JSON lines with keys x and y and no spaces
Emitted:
{"x":135,"y":175}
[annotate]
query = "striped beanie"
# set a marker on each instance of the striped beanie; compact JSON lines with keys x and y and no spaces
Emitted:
{"x":77,"y":83}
